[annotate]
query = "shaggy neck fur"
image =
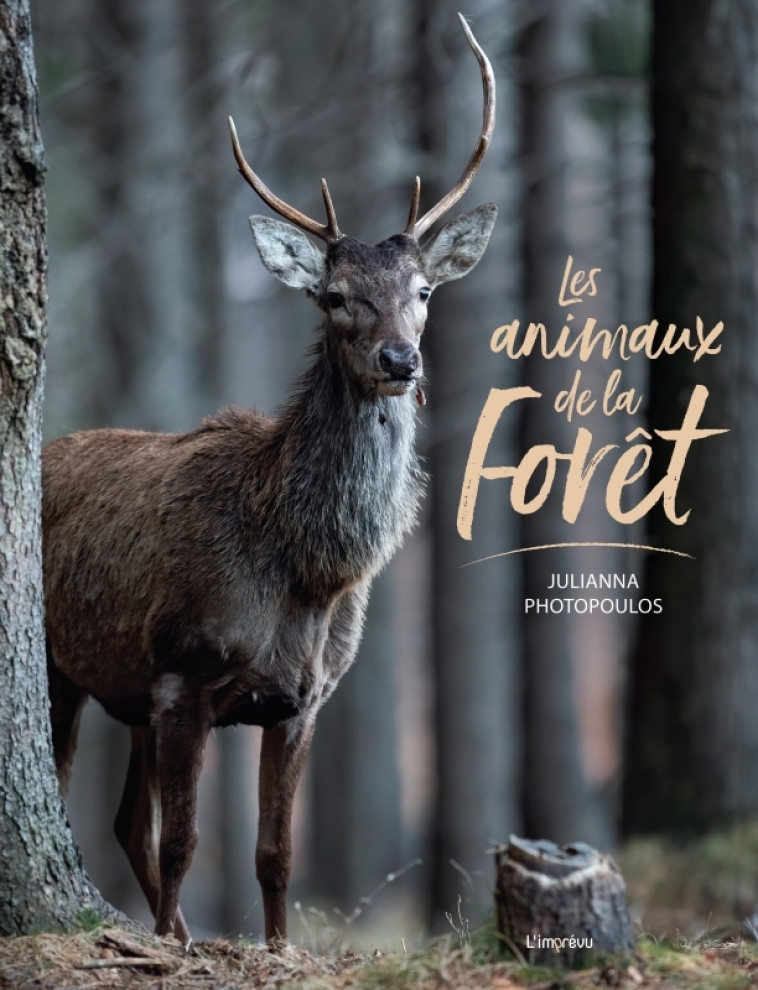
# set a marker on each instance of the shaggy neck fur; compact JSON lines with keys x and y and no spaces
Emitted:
{"x":350,"y":479}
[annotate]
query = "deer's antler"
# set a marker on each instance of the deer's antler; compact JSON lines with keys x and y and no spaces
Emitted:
{"x":418,"y":227}
{"x":328,"y":232}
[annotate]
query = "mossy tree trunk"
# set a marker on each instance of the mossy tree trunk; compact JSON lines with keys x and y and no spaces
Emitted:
{"x":41,"y":879}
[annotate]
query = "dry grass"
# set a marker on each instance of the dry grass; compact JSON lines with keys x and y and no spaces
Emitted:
{"x":113,"y":959}
{"x":109,"y":959}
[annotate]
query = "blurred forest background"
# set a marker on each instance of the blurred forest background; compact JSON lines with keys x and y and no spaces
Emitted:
{"x":463,"y":719}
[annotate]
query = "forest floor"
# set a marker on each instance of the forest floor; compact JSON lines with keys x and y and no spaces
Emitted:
{"x":110,"y":959}
{"x":684,"y":900}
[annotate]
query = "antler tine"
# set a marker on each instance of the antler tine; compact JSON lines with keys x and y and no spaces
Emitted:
{"x":488,"y":126}
{"x":328,"y":232}
{"x":331,"y":216}
{"x":413,"y":215}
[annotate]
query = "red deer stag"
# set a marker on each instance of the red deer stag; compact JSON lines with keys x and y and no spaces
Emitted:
{"x":220,"y":576}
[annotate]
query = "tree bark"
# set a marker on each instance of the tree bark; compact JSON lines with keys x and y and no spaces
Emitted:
{"x":693,"y":739}
{"x":41,"y":879}
{"x":561,"y":906}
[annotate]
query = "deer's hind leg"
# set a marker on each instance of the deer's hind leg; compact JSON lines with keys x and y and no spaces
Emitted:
{"x":138,"y":821}
{"x":66,"y":704}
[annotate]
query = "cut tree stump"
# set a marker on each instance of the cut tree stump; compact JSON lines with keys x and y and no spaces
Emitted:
{"x":560,"y":906}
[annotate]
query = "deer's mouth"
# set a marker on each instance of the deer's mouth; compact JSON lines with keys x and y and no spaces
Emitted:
{"x":396,"y":386}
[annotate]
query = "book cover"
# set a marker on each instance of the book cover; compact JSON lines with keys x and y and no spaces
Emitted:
{"x":564,"y":647}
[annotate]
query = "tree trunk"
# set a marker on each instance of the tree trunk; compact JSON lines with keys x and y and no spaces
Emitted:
{"x":566,"y":656}
{"x":475,"y":641}
{"x":125,"y":315}
{"x":355,"y":783}
{"x":206,"y":171}
{"x":41,"y":879}
{"x":693,"y":740}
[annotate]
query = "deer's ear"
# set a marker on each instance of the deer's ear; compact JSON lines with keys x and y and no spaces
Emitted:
{"x":456,"y":247}
{"x":288,"y":254}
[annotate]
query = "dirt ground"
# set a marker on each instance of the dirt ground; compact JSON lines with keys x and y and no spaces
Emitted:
{"x":109,"y":958}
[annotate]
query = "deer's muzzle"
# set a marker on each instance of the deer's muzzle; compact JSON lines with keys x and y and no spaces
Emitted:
{"x":400,"y":360}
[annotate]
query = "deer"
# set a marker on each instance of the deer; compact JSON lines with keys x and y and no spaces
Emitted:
{"x":220,"y":577}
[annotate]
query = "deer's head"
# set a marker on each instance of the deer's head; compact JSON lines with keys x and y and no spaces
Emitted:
{"x":375,"y":297}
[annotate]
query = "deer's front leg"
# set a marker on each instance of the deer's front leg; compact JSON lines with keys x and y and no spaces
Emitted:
{"x":283,"y":752}
{"x":181,"y":732}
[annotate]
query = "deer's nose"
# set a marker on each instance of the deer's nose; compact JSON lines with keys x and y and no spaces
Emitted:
{"x":399,"y":359}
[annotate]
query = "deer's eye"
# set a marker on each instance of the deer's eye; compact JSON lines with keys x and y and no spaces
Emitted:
{"x":424,"y":293}
{"x":334,"y":300}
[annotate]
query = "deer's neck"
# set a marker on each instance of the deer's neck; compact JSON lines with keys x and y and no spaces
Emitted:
{"x":350,"y":479}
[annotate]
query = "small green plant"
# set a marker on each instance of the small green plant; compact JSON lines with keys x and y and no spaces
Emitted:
{"x":88,"y":920}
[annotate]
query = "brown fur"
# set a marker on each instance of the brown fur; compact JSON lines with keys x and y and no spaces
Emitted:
{"x":221,"y":576}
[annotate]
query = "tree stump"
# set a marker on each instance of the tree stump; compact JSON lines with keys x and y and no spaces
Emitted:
{"x":560,"y":906}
